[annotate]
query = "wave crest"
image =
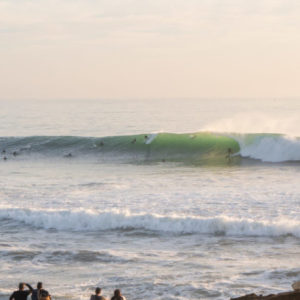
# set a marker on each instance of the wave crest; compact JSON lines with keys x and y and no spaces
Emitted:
{"x":91,"y":221}
{"x":194,"y":147}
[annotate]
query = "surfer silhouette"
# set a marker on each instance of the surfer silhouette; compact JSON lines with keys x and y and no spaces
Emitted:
{"x":229,"y":155}
{"x":133,"y":141}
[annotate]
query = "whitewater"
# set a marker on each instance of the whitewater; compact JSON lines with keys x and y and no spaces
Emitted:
{"x":137,"y":196}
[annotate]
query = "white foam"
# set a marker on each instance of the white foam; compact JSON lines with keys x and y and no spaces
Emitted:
{"x":271,"y":148}
{"x":82,"y":220}
{"x":151,"y":138}
{"x":257,"y":121}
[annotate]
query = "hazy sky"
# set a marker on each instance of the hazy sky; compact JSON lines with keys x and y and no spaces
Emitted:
{"x":149,"y":48}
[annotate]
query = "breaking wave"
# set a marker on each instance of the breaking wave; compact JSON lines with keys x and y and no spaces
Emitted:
{"x":194,"y":147}
{"x":82,"y":221}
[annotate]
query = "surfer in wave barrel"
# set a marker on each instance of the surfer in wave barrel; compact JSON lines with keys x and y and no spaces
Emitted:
{"x":229,"y":155}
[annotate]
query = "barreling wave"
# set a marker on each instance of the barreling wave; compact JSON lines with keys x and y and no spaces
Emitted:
{"x":194,"y":147}
{"x":82,"y":221}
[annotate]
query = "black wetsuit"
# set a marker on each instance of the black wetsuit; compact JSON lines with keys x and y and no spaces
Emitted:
{"x":35,"y":293}
{"x":21,"y":295}
{"x":96,"y":297}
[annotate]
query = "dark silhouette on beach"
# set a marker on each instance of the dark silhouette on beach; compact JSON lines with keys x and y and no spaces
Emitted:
{"x":117,"y":295}
{"x":39,"y":293}
{"x":21,"y":294}
{"x":97,"y":295}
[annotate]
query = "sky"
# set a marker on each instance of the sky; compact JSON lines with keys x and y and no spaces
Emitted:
{"x":149,"y":48}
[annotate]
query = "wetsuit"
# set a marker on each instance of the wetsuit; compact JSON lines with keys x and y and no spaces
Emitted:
{"x":118,"y":298}
{"x":35,"y":293}
{"x":96,"y":297}
{"x":21,"y":295}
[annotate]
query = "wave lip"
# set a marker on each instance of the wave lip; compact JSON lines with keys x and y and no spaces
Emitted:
{"x":269,"y":147}
{"x":83,"y":221}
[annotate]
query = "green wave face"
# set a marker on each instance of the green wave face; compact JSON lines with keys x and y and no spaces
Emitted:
{"x":172,"y":147}
{"x":194,"y":148}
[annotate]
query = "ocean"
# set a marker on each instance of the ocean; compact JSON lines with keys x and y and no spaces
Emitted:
{"x":145,"y":196}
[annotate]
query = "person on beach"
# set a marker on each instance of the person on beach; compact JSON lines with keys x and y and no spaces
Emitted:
{"x":21,"y":294}
{"x":117,"y":295}
{"x":39,"y":293}
{"x":97,"y":295}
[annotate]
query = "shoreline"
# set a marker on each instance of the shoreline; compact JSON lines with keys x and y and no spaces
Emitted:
{"x":290,"y":295}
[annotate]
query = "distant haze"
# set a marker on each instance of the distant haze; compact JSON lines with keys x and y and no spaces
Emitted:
{"x":147,"y":49}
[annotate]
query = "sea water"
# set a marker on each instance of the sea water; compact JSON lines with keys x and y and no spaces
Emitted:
{"x":142,"y":195}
